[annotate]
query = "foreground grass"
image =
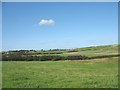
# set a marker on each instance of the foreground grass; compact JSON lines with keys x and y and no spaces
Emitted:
{"x":96,"y":73}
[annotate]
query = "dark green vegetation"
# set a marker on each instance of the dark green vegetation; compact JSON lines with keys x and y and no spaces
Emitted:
{"x":62,"y":54}
{"x":97,"y":73}
{"x":91,"y":67}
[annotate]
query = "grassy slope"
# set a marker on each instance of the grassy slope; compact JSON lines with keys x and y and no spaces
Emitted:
{"x":90,"y":51}
{"x":61,"y":74}
{"x":97,"y":50}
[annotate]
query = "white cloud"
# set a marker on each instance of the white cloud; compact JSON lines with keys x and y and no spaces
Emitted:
{"x":46,"y":22}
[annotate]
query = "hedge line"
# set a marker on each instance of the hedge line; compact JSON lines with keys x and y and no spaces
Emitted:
{"x":13,"y":57}
{"x":104,"y":56}
{"x":48,"y":53}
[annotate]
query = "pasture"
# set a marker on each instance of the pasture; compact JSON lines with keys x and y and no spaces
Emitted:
{"x":97,"y":73}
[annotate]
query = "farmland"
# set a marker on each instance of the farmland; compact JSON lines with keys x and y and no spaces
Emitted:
{"x":88,"y":73}
{"x":61,"y":54}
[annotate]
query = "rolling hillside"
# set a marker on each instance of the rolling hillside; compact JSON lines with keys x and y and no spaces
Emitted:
{"x":62,"y":54}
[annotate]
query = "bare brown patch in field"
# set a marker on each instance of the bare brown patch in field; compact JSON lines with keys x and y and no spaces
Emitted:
{"x":72,"y":53}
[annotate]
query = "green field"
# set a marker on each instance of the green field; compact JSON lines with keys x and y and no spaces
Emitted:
{"x":87,"y":51}
{"x":97,"y":73}
{"x":93,"y":73}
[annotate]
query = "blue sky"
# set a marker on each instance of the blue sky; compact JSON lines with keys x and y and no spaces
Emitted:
{"x":75,"y":25}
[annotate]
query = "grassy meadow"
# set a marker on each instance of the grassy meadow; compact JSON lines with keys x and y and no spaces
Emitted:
{"x":94,"y":73}
{"x":61,"y":74}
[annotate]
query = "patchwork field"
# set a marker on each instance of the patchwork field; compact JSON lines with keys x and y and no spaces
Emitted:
{"x":49,"y":69}
{"x":97,"y":73}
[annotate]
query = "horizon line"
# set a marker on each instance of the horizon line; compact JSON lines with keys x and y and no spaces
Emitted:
{"x":60,"y":48}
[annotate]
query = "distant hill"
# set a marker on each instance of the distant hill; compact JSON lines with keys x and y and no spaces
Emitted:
{"x":97,"y":50}
{"x":103,"y":47}
{"x":66,"y":54}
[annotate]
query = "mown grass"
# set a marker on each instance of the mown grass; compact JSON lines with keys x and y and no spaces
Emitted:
{"x":97,"y":73}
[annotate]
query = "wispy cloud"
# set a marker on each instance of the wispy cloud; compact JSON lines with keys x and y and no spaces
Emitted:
{"x":46,"y":22}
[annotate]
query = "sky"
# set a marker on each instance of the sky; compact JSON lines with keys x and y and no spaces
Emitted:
{"x":50,"y":25}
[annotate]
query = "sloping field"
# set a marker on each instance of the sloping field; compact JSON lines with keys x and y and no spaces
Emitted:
{"x":87,"y":51}
{"x":96,"y":50}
